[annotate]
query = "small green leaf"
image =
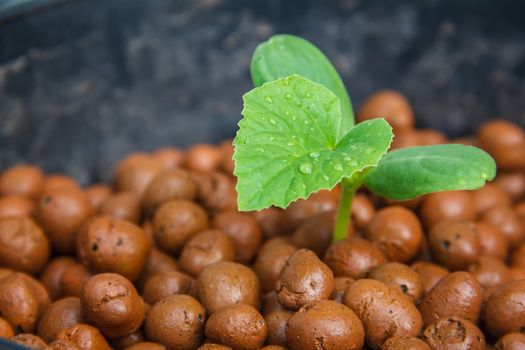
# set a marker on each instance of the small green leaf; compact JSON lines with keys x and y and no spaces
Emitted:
{"x":284,"y":55}
{"x":287,"y":145}
{"x":410,"y":172}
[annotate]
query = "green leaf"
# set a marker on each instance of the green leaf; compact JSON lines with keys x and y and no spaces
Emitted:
{"x":287,"y":145}
{"x":284,"y":55}
{"x":410,"y":172}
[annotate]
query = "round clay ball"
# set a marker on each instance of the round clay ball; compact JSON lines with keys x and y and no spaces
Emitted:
{"x":363,"y":211}
{"x":269,"y":263}
{"x":511,"y":341}
{"x":404,"y":343}
{"x":269,"y":220}
{"x":146,"y":346}
{"x":227,"y":283}
{"x":163,"y":285}
{"x":454,"y":333}
{"x":216,"y":192}
{"x":505,"y":309}
{"x":513,"y":183}
{"x":243,"y":230}
{"x":97,"y":194}
{"x":62,"y":212}
{"x":175,"y":222}
{"x":504,"y":141}
{"x":84,"y":336}
{"x":128,"y":340}
{"x":303,"y":279}
{"x":73,"y":279}
{"x":23,"y":301}
{"x":392,"y":106}
{"x":212,"y":346}
{"x":397,"y":232}
{"x":430,"y":274}
{"x":203,"y":158}
{"x":431,"y":137}
{"x":454,"y":244}
{"x":315,"y":233}
{"x":157,"y":263}
{"x":30,"y":341}
{"x":169,"y":158}
{"x":401,"y":276}
{"x":12,"y":205}
{"x":52,"y":275}
{"x":111,"y":303}
{"x":176,"y":322}
{"x":23,"y":244}
{"x":105,"y":244}
{"x":340,"y":285}
{"x":123,"y":206}
{"x":493,"y":242}
{"x":490,"y":196}
{"x":271,"y":303}
{"x":6,"y":331}
{"x":135,"y":172}
{"x":239,"y":326}
{"x":22,"y":180}
{"x":456,"y":295}
{"x":276,"y":322}
{"x":169,"y":184}
{"x":449,"y":205}
{"x":384,"y":311}
{"x":353,"y":257}
{"x":490,"y":272}
{"x":54,"y":182}
{"x":59,"y":315}
{"x":297,"y":212}
{"x":204,"y":249}
{"x":325,"y":324}
{"x":507,"y":221}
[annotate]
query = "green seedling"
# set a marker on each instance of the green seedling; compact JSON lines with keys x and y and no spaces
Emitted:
{"x":298,"y":136}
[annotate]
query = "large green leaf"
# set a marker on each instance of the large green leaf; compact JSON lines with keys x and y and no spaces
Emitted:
{"x":284,"y":55}
{"x":287,"y":145}
{"x":411,"y":172}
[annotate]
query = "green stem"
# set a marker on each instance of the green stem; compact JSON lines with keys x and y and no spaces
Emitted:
{"x":348,"y":189}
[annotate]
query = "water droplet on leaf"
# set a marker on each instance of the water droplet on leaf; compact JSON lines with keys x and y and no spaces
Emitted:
{"x":314,"y":154}
{"x":268,"y":99}
{"x":287,"y":96}
{"x":338,"y":167}
{"x":305,"y":168}
{"x":272,"y":121}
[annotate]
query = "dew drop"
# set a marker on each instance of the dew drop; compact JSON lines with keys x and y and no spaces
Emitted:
{"x":268,"y":99}
{"x":483,"y":175}
{"x":338,"y":167}
{"x":305,"y":168}
{"x":272,"y":121}
{"x":353,"y":163}
{"x":347,"y":158}
{"x":314,"y":154}
{"x":308,"y":95}
{"x":288,"y":96}
{"x":326,"y":178}
{"x":286,"y":113}
{"x":306,"y":122}
{"x":271,"y":138}
{"x":290,"y":143}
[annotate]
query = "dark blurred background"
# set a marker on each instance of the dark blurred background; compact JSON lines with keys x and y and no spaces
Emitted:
{"x":82,"y":83}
